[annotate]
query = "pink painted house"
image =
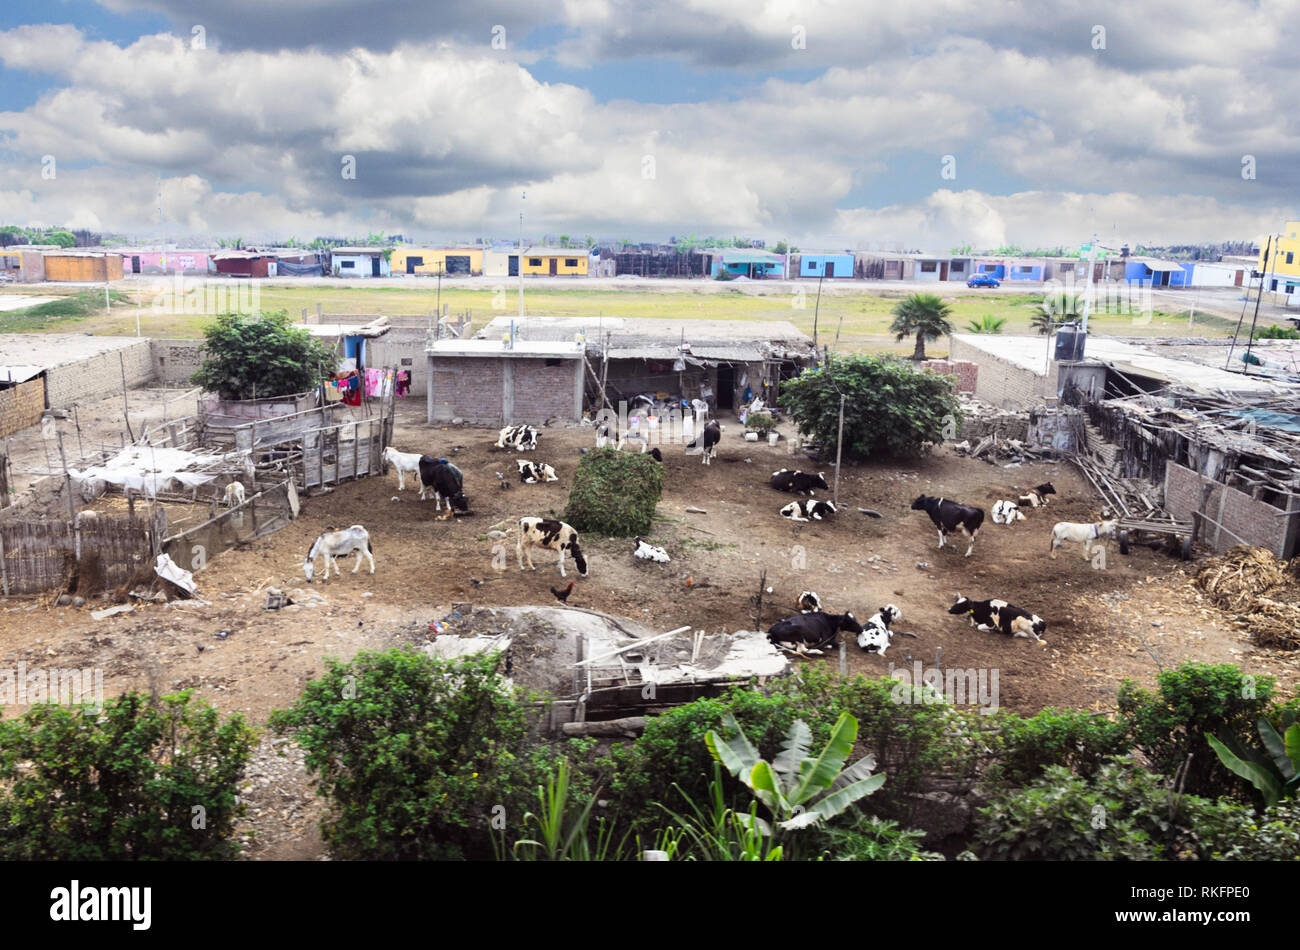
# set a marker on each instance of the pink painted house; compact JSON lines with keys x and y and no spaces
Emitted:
{"x":165,"y":262}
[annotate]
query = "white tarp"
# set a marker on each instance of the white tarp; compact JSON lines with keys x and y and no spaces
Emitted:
{"x":169,"y":570}
{"x":149,"y":470}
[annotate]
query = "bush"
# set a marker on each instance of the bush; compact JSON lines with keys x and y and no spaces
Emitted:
{"x":760,"y":422}
{"x":1191,"y":702}
{"x":261,"y":357}
{"x":413,"y":753}
{"x":1277,"y":332}
{"x":1272,"y":836}
{"x":891,"y":409}
{"x":1124,"y":813}
{"x":877,"y":839}
{"x":614,"y":493}
{"x":123,"y":785}
{"x":1077,"y":740}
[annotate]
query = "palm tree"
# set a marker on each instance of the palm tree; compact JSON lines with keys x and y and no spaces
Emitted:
{"x":987,"y":324}
{"x":923,"y":315}
{"x":1056,"y":310}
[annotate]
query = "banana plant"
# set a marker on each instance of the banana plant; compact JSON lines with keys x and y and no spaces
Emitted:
{"x":1274,"y":770}
{"x":798,"y":789}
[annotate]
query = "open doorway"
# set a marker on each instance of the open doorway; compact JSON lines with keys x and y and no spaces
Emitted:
{"x":726,"y":386}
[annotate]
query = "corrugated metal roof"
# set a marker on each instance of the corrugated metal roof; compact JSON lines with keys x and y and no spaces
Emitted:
{"x":20,"y":373}
{"x":1164,"y":265}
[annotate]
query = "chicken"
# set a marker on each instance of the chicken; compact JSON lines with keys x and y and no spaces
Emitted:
{"x":563,"y":595}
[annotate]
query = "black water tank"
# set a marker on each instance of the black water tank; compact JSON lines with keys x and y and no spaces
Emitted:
{"x":1069,"y":343}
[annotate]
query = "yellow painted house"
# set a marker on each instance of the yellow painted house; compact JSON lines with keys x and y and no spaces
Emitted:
{"x":556,"y":261}
{"x":448,"y":261}
{"x":1283,"y":268}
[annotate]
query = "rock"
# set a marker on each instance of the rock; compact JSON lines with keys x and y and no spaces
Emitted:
{"x":696,"y":511}
{"x":111,"y":611}
{"x":64,"y":600}
{"x":458,"y":421}
{"x":78,"y":601}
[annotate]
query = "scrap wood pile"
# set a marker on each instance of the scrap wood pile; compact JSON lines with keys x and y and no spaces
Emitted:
{"x":994,"y":435}
{"x":1261,"y":589}
{"x":996,"y":450}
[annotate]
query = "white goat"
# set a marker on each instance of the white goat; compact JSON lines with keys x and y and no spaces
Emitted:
{"x":1085,"y":533}
{"x":405,"y":463}
{"x":234,"y":494}
{"x":335,"y":544}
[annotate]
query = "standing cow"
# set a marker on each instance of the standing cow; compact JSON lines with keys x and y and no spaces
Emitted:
{"x":445,"y":480}
{"x":949,"y":516}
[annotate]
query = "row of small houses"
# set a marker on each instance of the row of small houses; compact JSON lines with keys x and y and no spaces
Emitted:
{"x":30,"y":263}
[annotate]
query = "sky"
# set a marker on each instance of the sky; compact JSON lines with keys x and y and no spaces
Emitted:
{"x":925,"y":125}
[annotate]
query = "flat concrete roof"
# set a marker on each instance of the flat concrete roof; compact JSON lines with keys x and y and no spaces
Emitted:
{"x":32,"y":353}
{"x":1031,"y":353}
{"x":523,"y":349}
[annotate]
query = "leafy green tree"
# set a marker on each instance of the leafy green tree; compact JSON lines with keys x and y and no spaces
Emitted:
{"x":261,"y":357}
{"x":564,"y":240}
{"x":1194,"y":701}
{"x":960,"y":250}
{"x":413,"y":754}
{"x":924,"y":316}
{"x":987,"y":324}
{"x":891,"y":409}
{"x":781,"y":247}
{"x":147,"y":779}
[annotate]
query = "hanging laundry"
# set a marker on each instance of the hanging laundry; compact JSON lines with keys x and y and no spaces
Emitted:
{"x":374,"y":379}
{"x":332,"y":391}
{"x":353,"y":395}
{"x":403,"y":382}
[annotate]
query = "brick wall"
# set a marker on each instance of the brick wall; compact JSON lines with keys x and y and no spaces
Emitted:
{"x":175,"y":361}
{"x":21,"y":405}
{"x":1003,"y":383}
{"x":967,"y":373}
{"x":402,"y":348}
{"x":468,"y":387}
{"x":543,"y":391}
{"x":98,"y":376}
{"x":1256,"y":522}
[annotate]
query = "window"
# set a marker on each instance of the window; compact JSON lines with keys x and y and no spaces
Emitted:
{"x":534,"y":262}
{"x":958,"y":267}
{"x":347,"y":263}
{"x":406,"y":361}
{"x":812,"y":265}
{"x":554,"y":362}
{"x":570,"y":262}
{"x":928,"y":267}
{"x":1067,"y":268}
{"x":1290,"y":257}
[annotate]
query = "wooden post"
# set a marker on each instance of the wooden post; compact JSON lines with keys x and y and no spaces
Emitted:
{"x":67,"y":486}
{"x":355,"y":450}
{"x":126,"y":406}
{"x":844,"y":664}
{"x":839,"y":444}
{"x":81,"y":452}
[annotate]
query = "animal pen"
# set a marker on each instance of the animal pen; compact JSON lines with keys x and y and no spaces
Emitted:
{"x":99,"y":554}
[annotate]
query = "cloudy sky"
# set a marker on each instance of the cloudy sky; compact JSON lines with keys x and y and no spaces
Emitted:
{"x":833,"y":124}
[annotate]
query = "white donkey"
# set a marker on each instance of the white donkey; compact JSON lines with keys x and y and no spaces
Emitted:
{"x":335,"y":544}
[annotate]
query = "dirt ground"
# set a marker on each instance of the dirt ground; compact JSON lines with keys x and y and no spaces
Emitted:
{"x":1103,"y":625}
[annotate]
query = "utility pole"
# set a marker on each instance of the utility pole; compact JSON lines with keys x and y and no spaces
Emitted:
{"x":839,"y":445}
{"x":522,"y":196}
{"x":1087,"y":290}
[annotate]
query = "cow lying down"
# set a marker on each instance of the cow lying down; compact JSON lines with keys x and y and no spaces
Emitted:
{"x":530,"y":473}
{"x":1007,"y":512}
{"x":999,"y":616}
{"x":808,"y":510}
{"x":1036,"y":497}
{"x":801,"y":483}
{"x":811,"y":633}
{"x":876,"y":635}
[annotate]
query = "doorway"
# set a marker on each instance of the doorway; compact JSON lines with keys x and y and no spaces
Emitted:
{"x":554,"y":268}
{"x":374,"y":266}
{"x":726,"y":386}
{"x":412,"y":263}
{"x":135,"y":264}
{"x":513,"y":269}
{"x":830,"y":268}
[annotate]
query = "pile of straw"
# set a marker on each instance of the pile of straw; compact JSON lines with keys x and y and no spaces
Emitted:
{"x":1238,"y":577}
{"x":1274,"y":624}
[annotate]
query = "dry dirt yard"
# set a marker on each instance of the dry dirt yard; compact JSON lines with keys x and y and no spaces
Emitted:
{"x":1103,"y":625}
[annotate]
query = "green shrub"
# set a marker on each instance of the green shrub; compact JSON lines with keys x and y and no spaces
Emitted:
{"x":877,"y":839}
{"x":124,"y":785}
{"x":892,"y":409}
{"x":760,"y":422}
{"x":1077,"y":740}
{"x":1123,"y":813}
{"x":1277,"y":332}
{"x":261,"y":356}
{"x":1272,"y":836}
{"x":614,"y":493}
{"x":1191,"y":702}
{"x":414,"y":753}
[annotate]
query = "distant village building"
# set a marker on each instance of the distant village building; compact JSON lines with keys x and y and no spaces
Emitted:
{"x":359,"y":262}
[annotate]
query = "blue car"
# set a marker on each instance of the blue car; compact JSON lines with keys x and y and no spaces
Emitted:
{"x":983,"y":280}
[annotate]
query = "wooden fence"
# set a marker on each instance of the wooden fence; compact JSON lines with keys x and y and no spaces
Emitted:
{"x":351,"y":450}
{"x":263,"y":513}
{"x":99,"y":554}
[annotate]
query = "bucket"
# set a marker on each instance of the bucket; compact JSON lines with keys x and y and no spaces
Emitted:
{"x":773,"y":438}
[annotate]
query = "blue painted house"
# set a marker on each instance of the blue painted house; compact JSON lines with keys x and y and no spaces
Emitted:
{"x":826,"y":264}
{"x":989,"y":266}
{"x":747,"y":262}
{"x":1025,"y":270}
{"x":1159,"y":273}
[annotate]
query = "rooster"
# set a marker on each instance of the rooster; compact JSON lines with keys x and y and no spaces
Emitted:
{"x":563,"y":595}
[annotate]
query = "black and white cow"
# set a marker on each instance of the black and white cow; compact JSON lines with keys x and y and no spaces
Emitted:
{"x":530,"y":473}
{"x":876,"y":635}
{"x":800,"y":483}
{"x":1007,"y":512}
{"x":811,"y":631}
{"x":809,"y":602}
{"x":999,"y":616}
{"x":552,"y":534}
{"x":949,"y":516}
{"x":1036,"y":497}
{"x":446,"y":482}
{"x":808,"y":510}
{"x":519,"y":438}
{"x":708,"y":440}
